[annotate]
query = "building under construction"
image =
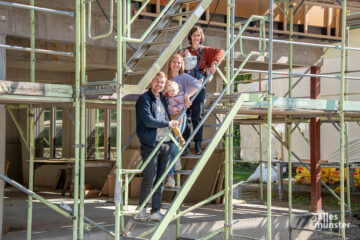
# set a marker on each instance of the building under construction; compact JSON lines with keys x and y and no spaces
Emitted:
{"x":72,"y":71}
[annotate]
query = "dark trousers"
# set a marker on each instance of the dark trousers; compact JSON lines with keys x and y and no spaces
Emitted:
{"x":153,"y":172}
{"x":194,"y":116}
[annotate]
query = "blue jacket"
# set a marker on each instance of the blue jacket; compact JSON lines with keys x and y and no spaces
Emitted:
{"x":146,"y":119}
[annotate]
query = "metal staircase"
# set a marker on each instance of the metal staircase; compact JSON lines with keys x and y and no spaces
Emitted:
{"x":225,"y":104}
{"x":171,"y":213}
{"x":155,"y":39}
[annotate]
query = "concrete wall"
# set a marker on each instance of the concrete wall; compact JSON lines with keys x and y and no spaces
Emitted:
{"x":58,"y":33}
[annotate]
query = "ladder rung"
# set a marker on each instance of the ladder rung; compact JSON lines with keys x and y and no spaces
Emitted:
{"x":184,"y":172}
{"x":167,"y":29}
{"x":147,"y":57}
{"x":212,"y":125}
{"x":173,"y":189}
{"x":180,"y":14}
{"x":156,"y":43}
{"x":136,"y":73}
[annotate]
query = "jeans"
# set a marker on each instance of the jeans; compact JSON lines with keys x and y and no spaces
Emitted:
{"x":174,"y":149}
{"x":153,"y":172}
{"x":194,"y":116}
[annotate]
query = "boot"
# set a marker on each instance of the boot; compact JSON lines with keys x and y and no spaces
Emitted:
{"x":198,"y":148}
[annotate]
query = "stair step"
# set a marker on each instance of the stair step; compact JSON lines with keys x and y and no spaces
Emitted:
{"x":137,"y":221}
{"x":167,"y":29}
{"x":165,"y":205}
{"x":173,"y":189}
{"x":147,"y":57}
{"x":187,"y":1}
{"x":136,"y":73}
{"x":156,"y":43}
{"x":184,"y":172}
{"x":212,"y":125}
{"x":221,"y":111}
{"x":193,"y":156}
{"x":180,"y":14}
{"x":132,"y":238}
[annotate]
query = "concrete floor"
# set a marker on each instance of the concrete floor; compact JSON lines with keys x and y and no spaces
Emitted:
{"x":249,"y":220}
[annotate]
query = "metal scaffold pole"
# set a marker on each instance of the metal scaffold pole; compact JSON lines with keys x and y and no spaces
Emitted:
{"x":341,"y":112}
{"x":269,"y":119}
{"x":31,"y":123}
{"x":229,"y":131}
{"x":348,"y":185}
{"x":82,"y":144}
{"x":118,"y":183}
{"x":77,"y":116}
{"x":289,"y":125}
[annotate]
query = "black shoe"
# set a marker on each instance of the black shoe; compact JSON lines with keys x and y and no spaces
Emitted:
{"x":186,"y":152}
{"x":198,"y":148}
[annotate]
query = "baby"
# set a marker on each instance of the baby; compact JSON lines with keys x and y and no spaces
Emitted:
{"x":176,"y":105}
{"x":191,"y":65}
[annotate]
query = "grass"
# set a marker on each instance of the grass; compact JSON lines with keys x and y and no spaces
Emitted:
{"x":242,"y":171}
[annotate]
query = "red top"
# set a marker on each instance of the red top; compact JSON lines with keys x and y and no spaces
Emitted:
{"x":210,"y":55}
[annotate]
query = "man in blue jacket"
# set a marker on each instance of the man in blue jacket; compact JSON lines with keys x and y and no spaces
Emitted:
{"x":152,"y":122}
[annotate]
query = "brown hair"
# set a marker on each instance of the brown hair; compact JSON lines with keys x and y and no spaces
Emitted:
{"x":194,"y":29}
{"x":160,"y":74}
{"x":181,"y":70}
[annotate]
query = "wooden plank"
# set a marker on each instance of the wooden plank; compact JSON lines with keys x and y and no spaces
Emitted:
{"x":316,"y":202}
{"x":35,"y":89}
{"x":337,"y":22}
{"x":329,"y":20}
{"x":158,"y":6}
{"x":306,"y":17}
{"x":285,"y":17}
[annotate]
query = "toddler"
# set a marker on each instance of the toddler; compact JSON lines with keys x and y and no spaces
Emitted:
{"x":176,"y":106}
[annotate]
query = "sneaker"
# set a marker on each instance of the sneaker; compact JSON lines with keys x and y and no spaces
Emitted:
{"x":170,"y":181}
{"x":142,"y":216}
{"x":178,"y":166}
{"x":156,"y":216}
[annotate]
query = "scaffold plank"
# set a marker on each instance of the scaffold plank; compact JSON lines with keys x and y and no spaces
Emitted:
{"x":25,"y":92}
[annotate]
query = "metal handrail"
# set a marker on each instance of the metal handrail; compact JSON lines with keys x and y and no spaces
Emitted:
{"x":40,"y":9}
{"x":151,"y":27}
{"x":111,"y":22}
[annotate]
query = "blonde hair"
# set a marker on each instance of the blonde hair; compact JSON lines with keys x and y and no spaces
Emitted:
{"x":170,"y":83}
{"x":195,"y":29}
{"x":181,"y":70}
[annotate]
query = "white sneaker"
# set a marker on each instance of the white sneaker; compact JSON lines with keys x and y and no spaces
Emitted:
{"x":178,"y":166}
{"x":170,"y":181}
{"x":143,"y":216}
{"x":156,"y":216}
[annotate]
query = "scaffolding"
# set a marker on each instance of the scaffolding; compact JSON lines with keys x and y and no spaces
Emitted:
{"x":232,"y":106}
